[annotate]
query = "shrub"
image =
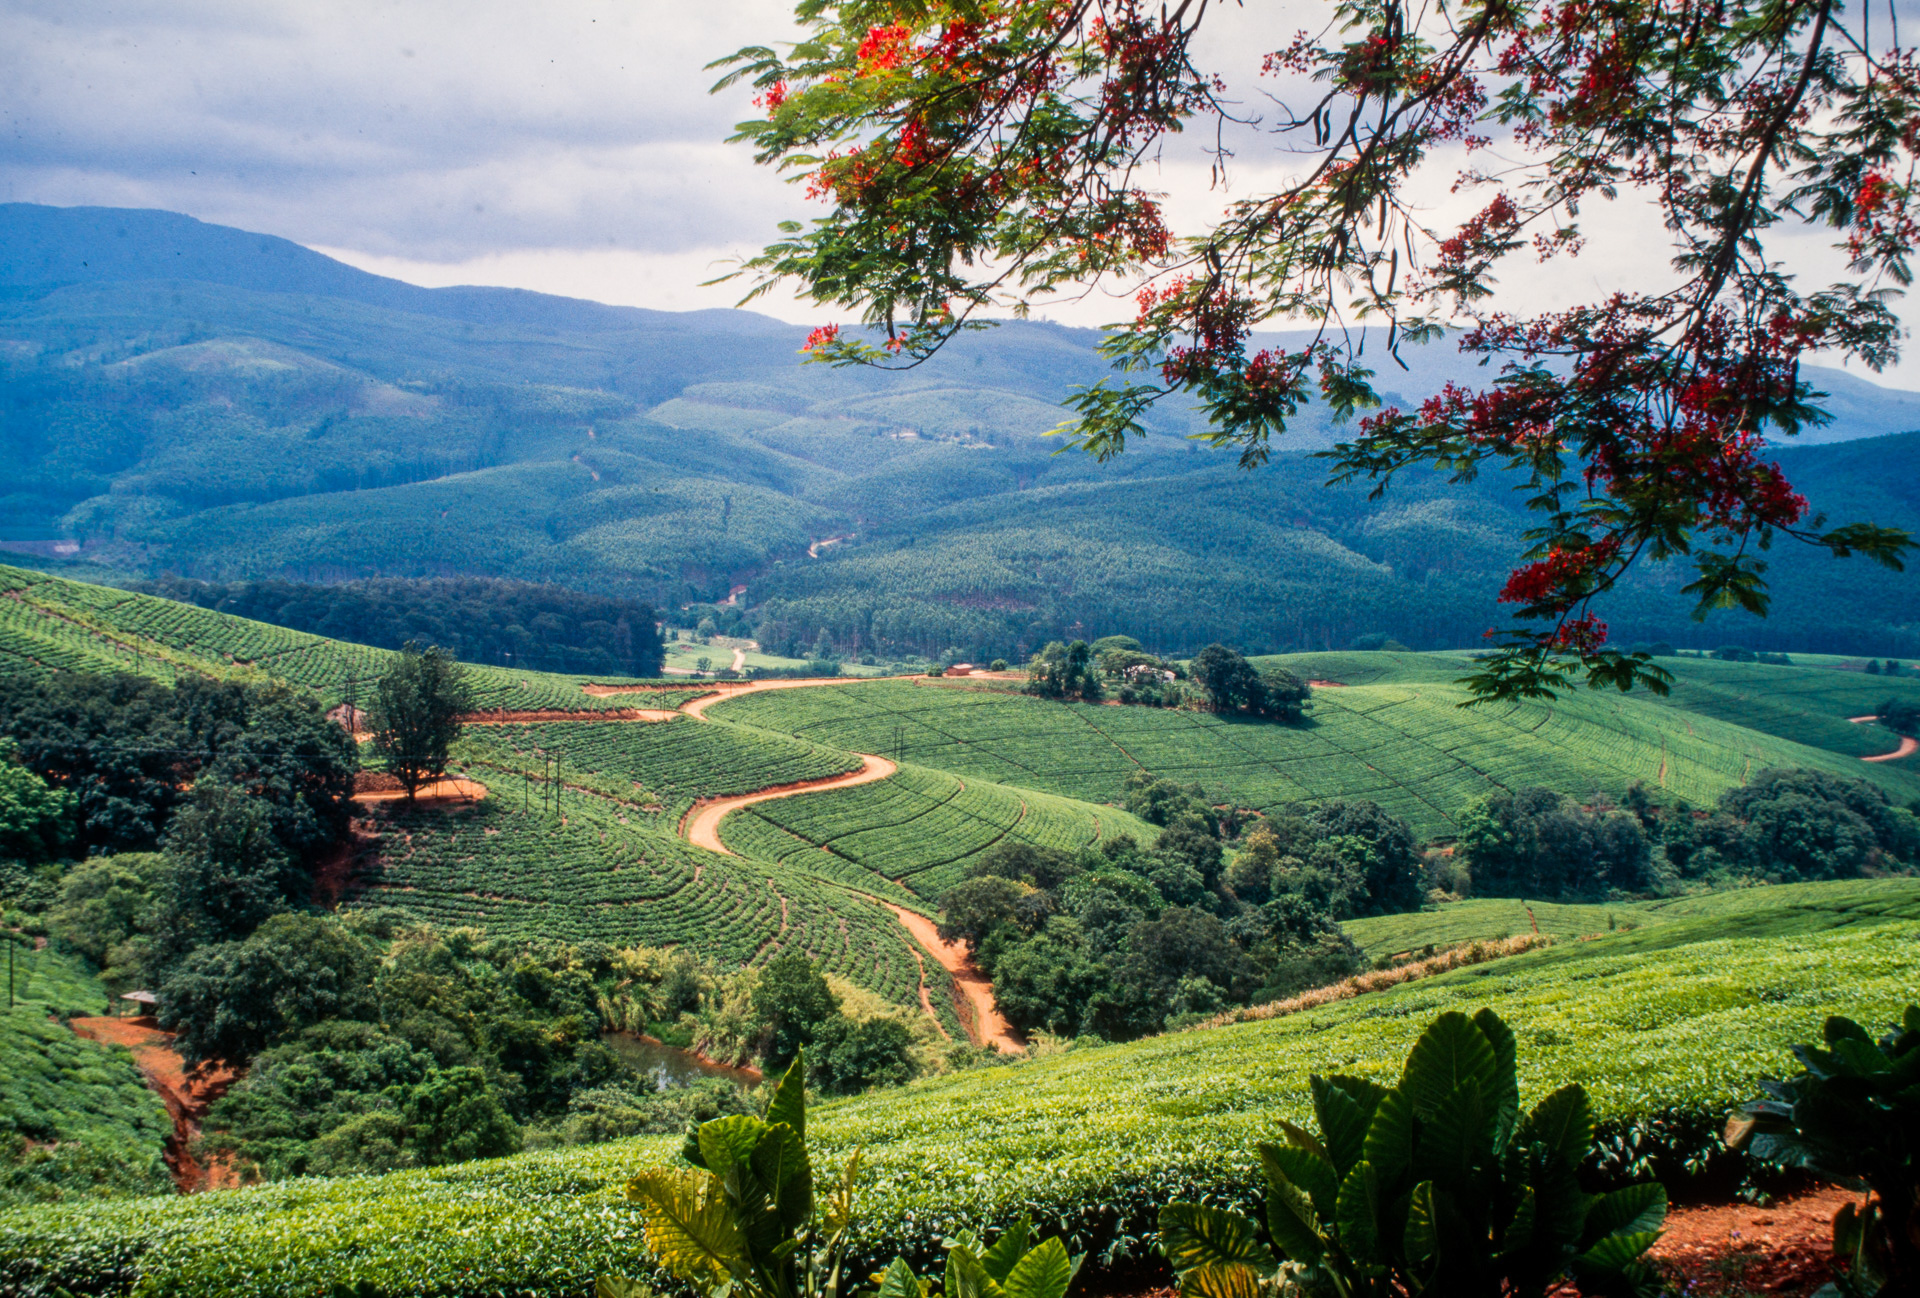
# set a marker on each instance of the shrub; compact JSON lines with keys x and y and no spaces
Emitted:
{"x":1437,"y":1185}
{"x":744,"y":1221}
{"x":1853,"y":1116}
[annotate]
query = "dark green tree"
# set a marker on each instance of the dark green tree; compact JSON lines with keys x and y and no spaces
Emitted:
{"x":848,"y":1057}
{"x":453,"y":1116}
{"x":1395,"y":873}
{"x":973,"y":909}
{"x":226,"y":871}
{"x":1231,"y":683}
{"x":232,"y":1000}
{"x":1044,"y":984}
{"x":37,"y":823}
{"x":1284,"y":694}
{"x":416,"y":713}
{"x":1064,"y":671}
{"x":792,"y":1000}
{"x":1540,"y":843}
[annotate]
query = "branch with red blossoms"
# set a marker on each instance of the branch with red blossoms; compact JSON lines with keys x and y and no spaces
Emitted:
{"x":988,"y":154}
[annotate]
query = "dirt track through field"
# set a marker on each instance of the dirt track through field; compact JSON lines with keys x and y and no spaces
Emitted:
{"x":953,"y":957}
{"x":186,"y":1093}
{"x":437,"y":793}
{"x":1908,"y":746}
{"x":701,"y":827}
{"x":727,"y":690}
{"x":510,"y":718}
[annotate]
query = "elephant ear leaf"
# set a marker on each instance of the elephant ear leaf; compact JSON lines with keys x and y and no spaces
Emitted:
{"x":1457,"y":1135}
{"x":1195,"y":1236}
{"x":1045,"y":1272}
{"x":689,"y":1226}
{"x":1562,"y":1122}
{"x":1422,"y":1241}
{"x":1389,"y":1144}
{"x":1617,"y":1255}
{"x":780,"y":1162}
{"x":1291,"y":1219}
{"x":1504,"y":1095}
{"x":618,"y":1286}
{"x":1344,"y":1106}
{"x":726,"y":1143}
{"x":1634,"y":1210}
{"x":1358,"y":1214}
{"x":967,"y":1278}
{"x":1452,"y":1051}
{"x":899,"y":1281}
{"x":789,"y":1102}
{"x":1007,"y":1250}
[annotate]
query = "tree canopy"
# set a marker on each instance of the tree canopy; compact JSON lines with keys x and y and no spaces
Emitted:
{"x":416,"y":714}
{"x":981,"y":155}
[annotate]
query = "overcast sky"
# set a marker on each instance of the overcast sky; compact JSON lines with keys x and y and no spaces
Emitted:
{"x":568,"y":146}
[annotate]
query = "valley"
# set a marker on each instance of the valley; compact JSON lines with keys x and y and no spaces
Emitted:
{"x":832,"y":816}
{"x":1060,"y":933}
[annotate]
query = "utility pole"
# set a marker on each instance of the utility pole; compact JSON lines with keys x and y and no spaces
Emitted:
{"x":11,"y":944}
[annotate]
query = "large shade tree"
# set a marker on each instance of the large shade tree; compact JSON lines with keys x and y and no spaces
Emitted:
{"x":416,"y":714}
{"x":978,"y":155}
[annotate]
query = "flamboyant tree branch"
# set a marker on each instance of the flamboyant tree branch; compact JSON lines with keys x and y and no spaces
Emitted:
{"x":983,"y":153}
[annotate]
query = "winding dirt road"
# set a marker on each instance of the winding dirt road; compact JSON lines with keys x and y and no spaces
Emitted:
{"x":1908,"y":744}
{"x":186,"y":1093}
{"x":701,"y":826}
{"x":730,"y":690}
{"x":990,"y":1025}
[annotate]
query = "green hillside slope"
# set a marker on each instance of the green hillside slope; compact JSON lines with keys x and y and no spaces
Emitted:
{"x":1395,"y":736}
{"x":593,"y":871}
{"x":920,"y":828}
{"x":1776,"y":909}
{"x":229,"y":414}
{"x":604,"y":866}
{"x":76,"y":1120}
{"x":1091,"y":1142}
{"x":1810,"y":702}
{"x":53,"y":624}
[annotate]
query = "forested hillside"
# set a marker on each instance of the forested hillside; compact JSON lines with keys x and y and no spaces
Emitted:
{"x":193,"y":400}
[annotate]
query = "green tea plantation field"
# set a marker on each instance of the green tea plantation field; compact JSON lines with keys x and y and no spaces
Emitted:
{"x":52,"y":624}
{"x":1670,"y":1022}
{"x":1396,"y":736}
{"x":90,"y":1123}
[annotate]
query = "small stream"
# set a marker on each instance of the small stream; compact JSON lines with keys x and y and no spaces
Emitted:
{"x":669,"y":1066}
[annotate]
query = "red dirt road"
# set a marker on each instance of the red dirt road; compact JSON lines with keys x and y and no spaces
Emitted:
{"x":702,"y":824}
{"x":992,"y":1025}
{"x":702,"y":829}
{"x":1785,"y":1248}
{"x":439,"y":793}
{"x":186,"y":1094}
{"x":506,"y":717}
{"x":733,"y":690}
{"x":1908,"y":746}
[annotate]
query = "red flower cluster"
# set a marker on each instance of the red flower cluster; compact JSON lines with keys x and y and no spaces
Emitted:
{"x":1558,"y":580}
{"x":1583,"y":635}
{"x":772,"y":97}
{"x":884,"y":48}
{"x":824,"y":336}
{"x":1482,"y":236}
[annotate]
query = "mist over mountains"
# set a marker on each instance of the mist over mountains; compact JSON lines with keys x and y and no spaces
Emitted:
{"x":189,"y":398}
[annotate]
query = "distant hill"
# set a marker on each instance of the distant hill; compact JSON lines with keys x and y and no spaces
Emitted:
{"x":187,"y":398}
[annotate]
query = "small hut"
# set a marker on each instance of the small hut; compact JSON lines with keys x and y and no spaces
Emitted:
{"x":142,"y":1003}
